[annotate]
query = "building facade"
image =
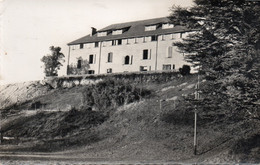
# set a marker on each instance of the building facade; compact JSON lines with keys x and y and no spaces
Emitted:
{"x":128,"y":47}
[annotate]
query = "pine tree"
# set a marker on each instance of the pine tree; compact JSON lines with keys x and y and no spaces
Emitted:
{"x":225,"y":43}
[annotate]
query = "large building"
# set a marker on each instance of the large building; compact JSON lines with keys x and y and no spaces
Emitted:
{"x":128,"y":47}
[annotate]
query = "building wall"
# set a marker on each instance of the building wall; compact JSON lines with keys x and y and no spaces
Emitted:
{"x":133,"y":47}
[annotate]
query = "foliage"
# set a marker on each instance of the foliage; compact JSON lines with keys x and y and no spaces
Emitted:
{"x":225,"y":44}
{"x":52,"y":62}
{"x":78,"y":69}
{"x":110,"y":94}
{"x":185,"y":70}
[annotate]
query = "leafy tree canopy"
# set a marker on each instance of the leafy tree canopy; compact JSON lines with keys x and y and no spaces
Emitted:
{"x":52,"y":62}
{"x":225,"y":43}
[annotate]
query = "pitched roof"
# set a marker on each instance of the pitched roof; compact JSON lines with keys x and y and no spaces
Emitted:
{"x":135,"y":29}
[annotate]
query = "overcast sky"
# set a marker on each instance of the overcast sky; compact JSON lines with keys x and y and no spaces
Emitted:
{"x":29,"y":27}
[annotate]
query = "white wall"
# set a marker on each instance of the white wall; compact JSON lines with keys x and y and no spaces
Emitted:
{"x":133,"y":47}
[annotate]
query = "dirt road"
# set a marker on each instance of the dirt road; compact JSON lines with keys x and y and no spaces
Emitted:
{"x":58,"y":159}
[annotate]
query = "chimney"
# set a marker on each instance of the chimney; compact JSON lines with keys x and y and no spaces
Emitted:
{"x":94,"y":31}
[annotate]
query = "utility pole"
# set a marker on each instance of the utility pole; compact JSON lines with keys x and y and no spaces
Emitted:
{"x":197,"y":96}
{"x":1,"y":135}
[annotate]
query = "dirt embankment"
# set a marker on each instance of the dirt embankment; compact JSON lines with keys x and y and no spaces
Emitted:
{"x":15,"y":94}
{"x":149,"y":128}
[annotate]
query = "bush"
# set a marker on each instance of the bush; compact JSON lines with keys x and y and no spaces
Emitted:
{"x":111,"y":94}
{"x":185,"y":70}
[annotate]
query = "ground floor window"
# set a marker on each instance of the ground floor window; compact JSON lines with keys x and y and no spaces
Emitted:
{"x":167,"y":67}
{"x":109,"y":70}
{"x":79,"y":64}
{"x":91,"y":72}
{"x":145,"y":68}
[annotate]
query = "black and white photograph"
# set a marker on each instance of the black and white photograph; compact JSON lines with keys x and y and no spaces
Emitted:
{"x":129,"y":82}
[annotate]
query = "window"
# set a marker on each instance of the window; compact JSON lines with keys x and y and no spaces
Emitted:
{"x":180,"y":35}
{"x":91,"y":59}
{"x":100,"y":34}
{"x":81,"y":46}
{"x":79,"y":64}
{"x":150,"y":27}
{"x":119,"y":42}
{"x":144,"y":39}
{"x":145,"y":54}
{"x":167,"y":67}
{"x":169,"y":52}
{"x":110,"y":57}
{"x":96,"y":44}
{"x":113,"y":42}
{"x":154,"y":38}
{"x":135,"y":40}
{"x":109,"y":70}
{"x":173,"y":66}
{"x":127,"y":60}
{"x":143,"y":68}
{"x":91,"y":72}
{"x":167,"y":26}
{"x":175,"y":36}
{"x":163,"y":37}
{"x":116,"y":32}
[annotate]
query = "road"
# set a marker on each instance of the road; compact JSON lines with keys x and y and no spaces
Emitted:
{"x":59,"y":159}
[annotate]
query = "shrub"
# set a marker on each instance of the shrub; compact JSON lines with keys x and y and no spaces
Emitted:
{"x":109,"y":94}
{"x":185,"y":70}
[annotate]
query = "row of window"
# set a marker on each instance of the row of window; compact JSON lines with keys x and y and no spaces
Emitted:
{"x":147,"y":68}
{"x":142,"y":68}
{"x":114,"y":32}
{"x":147,"y":28}
{"x":96,"y":44}
{"x":156,"y":26}
{"x":127,"y":59}
{"x":120,"y":41}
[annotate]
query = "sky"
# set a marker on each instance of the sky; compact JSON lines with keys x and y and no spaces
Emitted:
{"x":29,"y":27}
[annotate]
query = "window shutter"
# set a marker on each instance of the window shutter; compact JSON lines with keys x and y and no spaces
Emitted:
{"x":169,"y":52}
{"x":150,"y":55}
{"x":123,"y":60}
{"x":131,"y":60}
{"x":94,"y":61}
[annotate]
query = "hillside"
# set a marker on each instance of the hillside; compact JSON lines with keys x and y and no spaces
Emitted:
{"x":137,"y":129}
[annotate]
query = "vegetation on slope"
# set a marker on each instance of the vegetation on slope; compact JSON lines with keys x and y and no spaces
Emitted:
{"x":138,"y":129}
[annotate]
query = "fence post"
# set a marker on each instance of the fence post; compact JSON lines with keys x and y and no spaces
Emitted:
{"x":1,"y":137}
{"x":160,"y":104}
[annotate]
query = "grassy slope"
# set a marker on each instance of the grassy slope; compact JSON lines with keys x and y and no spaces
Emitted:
{"x":137,"y":131}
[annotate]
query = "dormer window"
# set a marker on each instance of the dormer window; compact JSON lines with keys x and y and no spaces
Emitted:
{"x":150,"y":27}
{"x":116,"y":32}
{"x":101,"y":34}
{"x":167,"y":26}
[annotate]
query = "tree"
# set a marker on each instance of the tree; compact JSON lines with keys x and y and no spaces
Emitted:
{"x":52,"y":62}
{"x":226,"y":46}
